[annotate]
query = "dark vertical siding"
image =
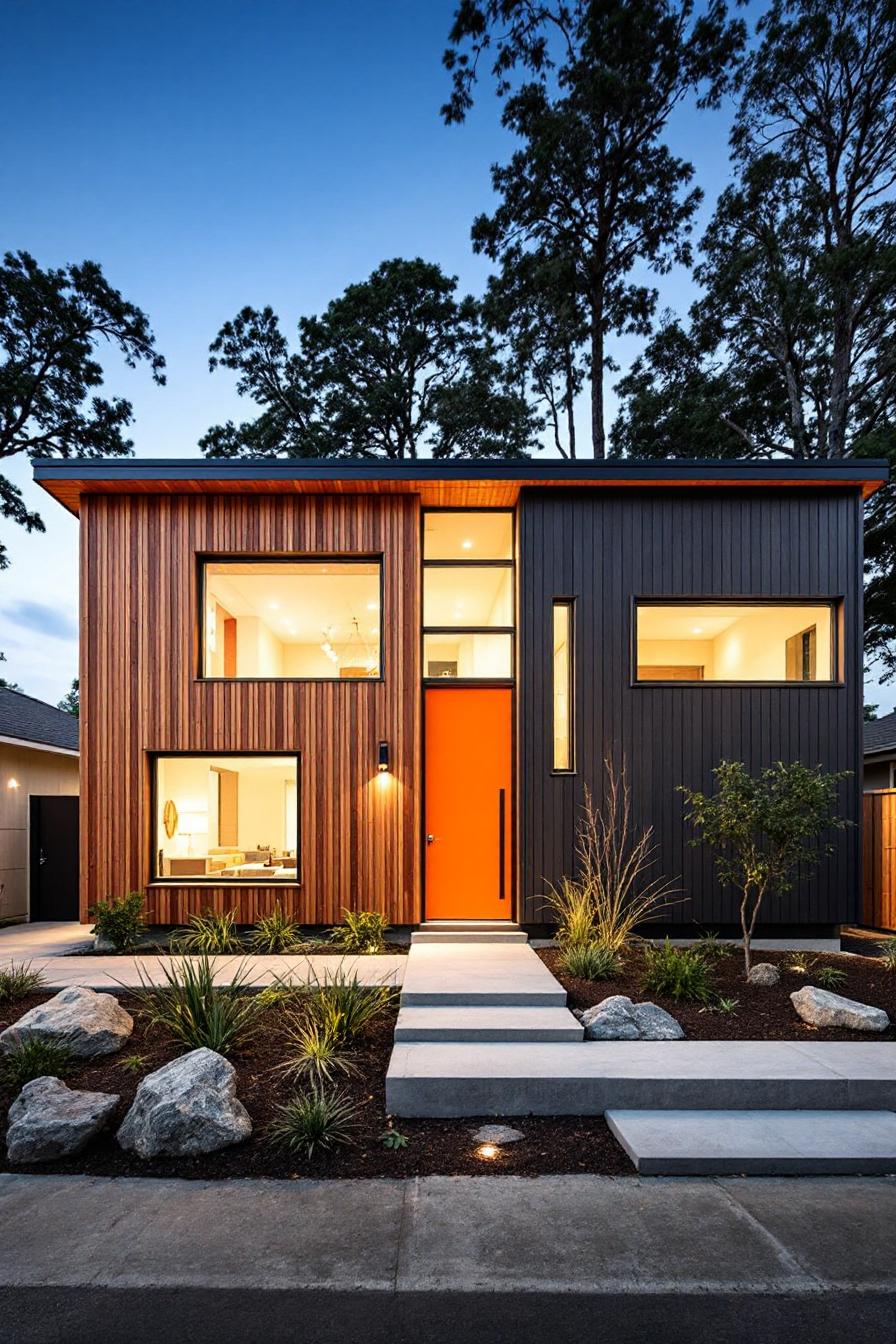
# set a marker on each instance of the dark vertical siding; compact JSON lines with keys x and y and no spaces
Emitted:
{"x":606,"y":548}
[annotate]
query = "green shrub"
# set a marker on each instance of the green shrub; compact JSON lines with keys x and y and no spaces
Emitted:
{"x":679,"y":972}
{"x":196,"y":1011}
{"x":888,"y":953}
{"x":34,"y":1058}
{"x":209,"y":933}
{"x":16,"y":982}
{"x":317,"y":1118}
{"x":344,"y":1006}
{"x":314,"y":1046}
{"x":570,"y":904}
{"x":119,"y":920}
{"x":275,"y":933}
{"x":592,"y":961}
{"x":831,"y":977}
{"x":361,"y":931}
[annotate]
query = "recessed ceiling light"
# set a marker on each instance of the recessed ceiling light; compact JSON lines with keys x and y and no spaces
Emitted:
{"x":273,"y":606}
{"x":373,"y":606}
{"x":698,"y":629}
{"x":467,"y":544}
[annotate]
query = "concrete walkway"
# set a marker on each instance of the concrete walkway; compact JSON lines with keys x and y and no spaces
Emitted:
{"x":460,"y":1259}
{"x":48,"y":948}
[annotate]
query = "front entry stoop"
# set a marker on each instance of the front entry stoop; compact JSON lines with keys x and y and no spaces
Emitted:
{"x":469,"y":931}
{"x":485,"y":987}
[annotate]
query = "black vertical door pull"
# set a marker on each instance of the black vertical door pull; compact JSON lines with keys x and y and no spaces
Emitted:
{"x":500,"y":844}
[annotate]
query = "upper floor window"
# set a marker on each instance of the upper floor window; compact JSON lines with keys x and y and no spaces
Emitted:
{"x":468,"y":605}
{"x":735,"y":642}
{"x":302,"y":619}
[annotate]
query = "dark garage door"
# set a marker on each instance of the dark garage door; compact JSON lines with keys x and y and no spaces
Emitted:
{"x":54,"y":857}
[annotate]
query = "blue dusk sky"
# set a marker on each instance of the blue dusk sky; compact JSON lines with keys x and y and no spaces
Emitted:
{"x":211,"y":155}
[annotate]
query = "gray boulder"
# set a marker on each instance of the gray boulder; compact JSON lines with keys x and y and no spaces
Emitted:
{"x":497,"y":1134}
{"x":764,"y":973}
{"x":821,"y":1008}
{"x":618,"y":1019}
{"x":87,"y":1023}
{"x":187,"y":1107}
{"x":49,"y":1120}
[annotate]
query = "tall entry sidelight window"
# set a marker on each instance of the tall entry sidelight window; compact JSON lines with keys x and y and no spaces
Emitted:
{"x":719,"y":641}
{"x":226,"y":818}
{"x":562,"y":689}
{"x":303,"y":620}
{"x":468,"y":597}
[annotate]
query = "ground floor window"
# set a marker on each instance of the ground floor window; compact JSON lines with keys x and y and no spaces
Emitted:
{"x":227,"y":817}
{"x":718,"y":641}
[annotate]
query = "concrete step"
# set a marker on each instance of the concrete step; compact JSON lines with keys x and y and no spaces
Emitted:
{"x":478,"y":974}
{"x":487,"y":1024}
{"x":757,"y":1143}
{"x":469,"y":936}
{"x":541,"y":1078}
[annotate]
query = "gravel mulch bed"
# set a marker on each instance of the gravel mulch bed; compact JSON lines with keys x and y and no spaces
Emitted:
{"x":435,"y":1147}
{"x":762,"y":1014}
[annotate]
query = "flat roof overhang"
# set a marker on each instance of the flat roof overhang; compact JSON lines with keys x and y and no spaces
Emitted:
{"x":461,"y":484}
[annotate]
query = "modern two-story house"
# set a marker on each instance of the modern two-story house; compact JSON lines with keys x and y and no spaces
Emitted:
{"x":385,"y":686}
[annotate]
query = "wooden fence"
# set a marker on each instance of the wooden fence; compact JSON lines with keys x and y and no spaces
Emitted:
{"x":879,"y":859}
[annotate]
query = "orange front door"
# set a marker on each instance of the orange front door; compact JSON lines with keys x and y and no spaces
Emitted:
{"x":468,"y":804}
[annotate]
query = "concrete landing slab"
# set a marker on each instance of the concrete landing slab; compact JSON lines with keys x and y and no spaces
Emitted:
{"x":472,"y":1079}
{"x":450,"y":1023}
{"x":472,"y":974}
{"x":468,"y":936}
{"x":761,"y":1143}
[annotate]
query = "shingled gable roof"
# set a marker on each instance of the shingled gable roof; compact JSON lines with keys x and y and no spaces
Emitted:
{"x":29,"y":720}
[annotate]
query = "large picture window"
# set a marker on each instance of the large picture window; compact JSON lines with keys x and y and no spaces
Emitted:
{"x":302,"y":619}
{"x":226,"y":818}
{"x":736,"y":642}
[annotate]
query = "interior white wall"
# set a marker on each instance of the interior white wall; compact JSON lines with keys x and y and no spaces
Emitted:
{"x":754,"y":647}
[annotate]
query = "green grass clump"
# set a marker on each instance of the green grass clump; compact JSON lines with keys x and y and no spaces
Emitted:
{"x":17,"y":982}
{"x":712,"y":948}
{"x":196,"y":1011}
{"x":590,"y":961}
{"x":346,"y":1005}
{"x":319,"y":1118}
{"x":209,"y":933}
{"x":362,"y":931}
{"x":830,"y":977}
{"x":34,"y":1058}
{"x":570,"y":904}
{"x":679,"y":972}
{"x":314,"y":1047}
{"x":888,"y":953}
{"x":275,"y":933}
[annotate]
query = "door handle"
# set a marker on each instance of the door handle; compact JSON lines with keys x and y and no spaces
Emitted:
{"x":501,"y":825}
{"x":42,"y":858}
{"x":430,"y":839}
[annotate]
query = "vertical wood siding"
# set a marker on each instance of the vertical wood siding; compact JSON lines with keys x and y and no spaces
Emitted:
{"x":607,"y":548}
{"x":879,"y":859}
{"x":140,"y":694}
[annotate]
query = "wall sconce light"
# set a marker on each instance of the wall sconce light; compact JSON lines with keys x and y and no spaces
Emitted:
{"x":12,"y":783}
{"x":382,"y":758}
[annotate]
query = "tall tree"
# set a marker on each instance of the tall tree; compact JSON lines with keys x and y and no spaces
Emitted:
{"x":52,"y":323}
{"x":398,"y":366}
{"x":791,"y":349}
{"x":71,"y":701}
{"x":534,"y":307}
{"x":593,"y":183}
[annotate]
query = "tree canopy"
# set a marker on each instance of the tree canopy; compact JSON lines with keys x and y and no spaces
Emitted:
{"x":593,"y":187}
{"x":52,"y":323}
{"x":397,"y":366}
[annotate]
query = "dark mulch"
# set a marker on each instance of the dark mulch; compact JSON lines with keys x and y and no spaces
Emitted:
{"x":435,"y":1147}
{"x":762,"y":1013}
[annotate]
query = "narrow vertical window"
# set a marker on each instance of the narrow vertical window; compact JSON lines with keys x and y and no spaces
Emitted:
{"x":563,"y":668}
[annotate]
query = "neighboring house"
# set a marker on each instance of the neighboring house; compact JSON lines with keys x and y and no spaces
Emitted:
{"x":38,"y":766}
{"x":385,"y":686}
{"x":880,"y":753}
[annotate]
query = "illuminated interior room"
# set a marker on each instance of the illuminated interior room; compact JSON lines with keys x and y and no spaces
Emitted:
{"x":291,"y":619}
{"x":233,"y":817}
{"x":715,"y":642}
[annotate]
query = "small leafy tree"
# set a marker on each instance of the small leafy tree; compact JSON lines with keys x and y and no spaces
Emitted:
{"x":71,"y":701}
{"x":762,"y":828}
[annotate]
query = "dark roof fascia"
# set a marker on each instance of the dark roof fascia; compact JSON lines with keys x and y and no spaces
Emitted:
{"x":191,"y":469}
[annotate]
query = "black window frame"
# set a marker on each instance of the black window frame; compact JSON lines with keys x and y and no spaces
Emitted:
{"x":833,"y":602}
{"x":215,"y":879}
{"x":205,"y":558}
